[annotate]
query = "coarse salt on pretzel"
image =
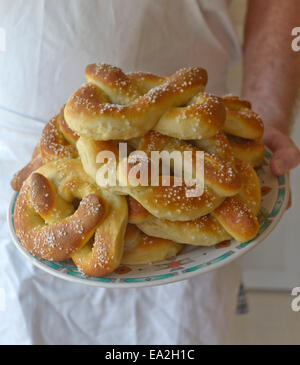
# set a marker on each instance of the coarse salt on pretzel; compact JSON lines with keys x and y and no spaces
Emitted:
{"x":219,"y":146}
{"x":235,"y":217}
{"x":202,"y":120}
{"x":58,"y":140}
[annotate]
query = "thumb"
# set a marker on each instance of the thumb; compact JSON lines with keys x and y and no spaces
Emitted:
{"x":285,"y":154}
{"x":285,"y":158}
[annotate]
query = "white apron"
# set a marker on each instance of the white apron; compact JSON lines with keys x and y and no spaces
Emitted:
{"x":48,"y":44}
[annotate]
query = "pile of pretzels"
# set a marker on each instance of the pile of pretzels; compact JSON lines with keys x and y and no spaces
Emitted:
{"x":62,"y":213}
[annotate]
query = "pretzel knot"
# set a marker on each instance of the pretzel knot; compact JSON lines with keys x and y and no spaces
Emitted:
{"x":49,"y":224}
{"x":234,"y":217}
{"x":113,"y":105}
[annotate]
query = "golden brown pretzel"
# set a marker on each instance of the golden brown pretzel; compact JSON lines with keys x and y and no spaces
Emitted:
{"x":203,"y":231}
{"x":111,"y":106}
{"x":235,"y":217}
{"x":49,"y":226}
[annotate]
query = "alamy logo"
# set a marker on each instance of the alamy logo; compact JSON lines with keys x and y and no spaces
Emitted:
{"x":296,"y":301}
{"x":159,"y":168}
{"x":296,"y":40}
{"x":2,"y":40}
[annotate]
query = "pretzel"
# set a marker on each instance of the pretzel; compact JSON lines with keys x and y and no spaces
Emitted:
{"x":57,"y":142}
{"x":111,"y":106}
{"x":49,"y":226}
{"x":141,"y":249}
{"x":203,"y":231}
{"x":235,"y":217}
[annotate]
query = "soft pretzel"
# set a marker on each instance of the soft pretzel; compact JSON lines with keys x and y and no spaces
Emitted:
{"x":141,"y":249}
{"x":171,"y":202}
{"x":235,"y":217}
{"x":203,"y":231}
{"x":110,"y":105}
{"x":49,"y":226}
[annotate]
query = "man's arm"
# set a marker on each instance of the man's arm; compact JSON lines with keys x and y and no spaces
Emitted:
{"x":272,"y":73}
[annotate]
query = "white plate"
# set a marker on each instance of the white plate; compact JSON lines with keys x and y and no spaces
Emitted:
{"x":191,"y":261}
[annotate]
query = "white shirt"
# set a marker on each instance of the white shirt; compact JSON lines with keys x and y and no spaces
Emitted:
{"x":48,"y":44}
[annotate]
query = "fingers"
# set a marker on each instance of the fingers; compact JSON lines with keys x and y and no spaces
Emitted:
{"x":286,"y":155}
{"x":284,"y":160}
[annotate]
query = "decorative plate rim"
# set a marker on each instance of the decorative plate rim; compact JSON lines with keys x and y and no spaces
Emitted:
{"x":154,"y":280}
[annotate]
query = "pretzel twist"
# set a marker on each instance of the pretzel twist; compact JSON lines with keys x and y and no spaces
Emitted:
{"x":111,"y":105}
{"x":235,"y":217}
{"x":48,"y":225}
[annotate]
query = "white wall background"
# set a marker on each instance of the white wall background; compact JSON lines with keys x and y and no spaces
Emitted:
{"x":275,"y":263}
